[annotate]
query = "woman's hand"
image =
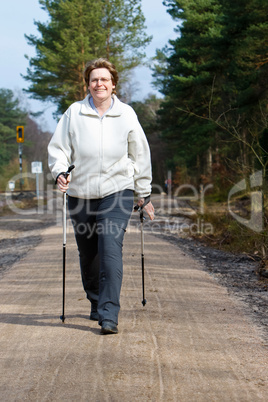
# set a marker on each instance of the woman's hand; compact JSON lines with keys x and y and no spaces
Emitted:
{"x":149,"y":208}
{"x":63,"y":183}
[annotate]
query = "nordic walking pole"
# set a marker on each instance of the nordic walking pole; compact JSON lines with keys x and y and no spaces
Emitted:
{"x":140,"y":209}
{"x":142,"y":258}
{"x":64,"y":218}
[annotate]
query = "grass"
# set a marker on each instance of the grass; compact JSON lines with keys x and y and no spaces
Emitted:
{"x":230,"y":235}
{"x":23,"y":204}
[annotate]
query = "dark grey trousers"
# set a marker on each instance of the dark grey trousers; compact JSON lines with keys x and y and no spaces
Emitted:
{"x":99,"y":226}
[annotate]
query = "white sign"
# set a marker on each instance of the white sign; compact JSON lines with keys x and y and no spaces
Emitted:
{"x":36,"y":167}
{"x":11,"y":185}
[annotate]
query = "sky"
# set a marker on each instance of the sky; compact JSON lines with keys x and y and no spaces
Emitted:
{"x":17,"y":18}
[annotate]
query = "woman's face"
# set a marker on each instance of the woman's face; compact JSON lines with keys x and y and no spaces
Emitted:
{"x":100,"y":85}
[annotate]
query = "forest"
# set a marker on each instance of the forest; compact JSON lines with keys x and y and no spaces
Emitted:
{"x":210,"y":123}
{"x":214,"y":80}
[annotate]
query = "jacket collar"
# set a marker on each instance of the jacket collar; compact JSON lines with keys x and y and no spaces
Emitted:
{"x":116,"y":110}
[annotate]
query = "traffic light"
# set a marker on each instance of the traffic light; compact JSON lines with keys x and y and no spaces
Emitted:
{"x":20,"y":134}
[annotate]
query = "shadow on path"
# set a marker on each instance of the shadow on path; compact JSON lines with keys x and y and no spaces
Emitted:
{"x":44,"y":320}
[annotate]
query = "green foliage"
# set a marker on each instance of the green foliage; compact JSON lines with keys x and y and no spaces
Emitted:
{"x":231,"y":236}
{"x":214,"y":78}
{"x":11,"y":116}
{"x":35,"y":144}
{"x":242,"y":51}
{"x":79,"y":31}
{"x":186,"y":81}
{"x":8,"y":172}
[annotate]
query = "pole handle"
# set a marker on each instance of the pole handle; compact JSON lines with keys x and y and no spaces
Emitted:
{"x":140,"y":207}
{"x":66,"y":174}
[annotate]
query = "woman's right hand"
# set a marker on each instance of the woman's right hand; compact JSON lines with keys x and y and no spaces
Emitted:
{"x":63,"y":183}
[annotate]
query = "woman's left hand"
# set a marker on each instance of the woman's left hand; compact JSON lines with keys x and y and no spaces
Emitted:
{"x":149,"y":208}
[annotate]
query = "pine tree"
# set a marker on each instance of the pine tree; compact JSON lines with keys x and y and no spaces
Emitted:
{"x":185,"y":76}
{"x":214,"y":78}
{"x":242,"y":52}
{"x":79,"y":31}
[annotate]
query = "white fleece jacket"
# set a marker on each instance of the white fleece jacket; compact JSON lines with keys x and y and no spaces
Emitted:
{"x":110,"y":154}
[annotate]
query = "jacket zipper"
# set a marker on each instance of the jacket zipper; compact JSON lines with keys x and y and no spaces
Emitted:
{"x":100,"y":156}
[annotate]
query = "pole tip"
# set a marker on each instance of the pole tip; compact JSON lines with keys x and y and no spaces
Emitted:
{"x":144,"y":302}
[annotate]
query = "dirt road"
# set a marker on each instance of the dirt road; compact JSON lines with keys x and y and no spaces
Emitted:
{"x":191,"y":342}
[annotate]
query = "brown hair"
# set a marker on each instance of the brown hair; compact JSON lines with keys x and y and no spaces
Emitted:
{"x":101,"y":63}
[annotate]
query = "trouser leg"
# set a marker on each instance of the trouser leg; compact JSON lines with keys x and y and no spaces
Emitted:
{"x":112,"y":220}
{"x":84,"y":224}
{"x":111,"y":270}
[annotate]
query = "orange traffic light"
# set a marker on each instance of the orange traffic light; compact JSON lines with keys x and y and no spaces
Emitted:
{"x":20,"y":134}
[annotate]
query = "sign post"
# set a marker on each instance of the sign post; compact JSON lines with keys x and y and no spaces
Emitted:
{"x":20,"y":141}
{"x":37,"y":168}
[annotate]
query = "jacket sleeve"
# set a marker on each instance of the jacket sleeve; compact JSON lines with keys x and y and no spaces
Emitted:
{"x":139,"y":153}
{"x":59,"y":147}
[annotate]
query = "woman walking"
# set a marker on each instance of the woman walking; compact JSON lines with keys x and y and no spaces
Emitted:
{"x":103,"y":138}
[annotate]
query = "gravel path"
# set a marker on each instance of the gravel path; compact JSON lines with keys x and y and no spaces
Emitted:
{"x":193,"y":341}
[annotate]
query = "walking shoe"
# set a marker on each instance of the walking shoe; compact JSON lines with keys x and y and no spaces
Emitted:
{"x":94,"y":316}
{"x":108,"y":327}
